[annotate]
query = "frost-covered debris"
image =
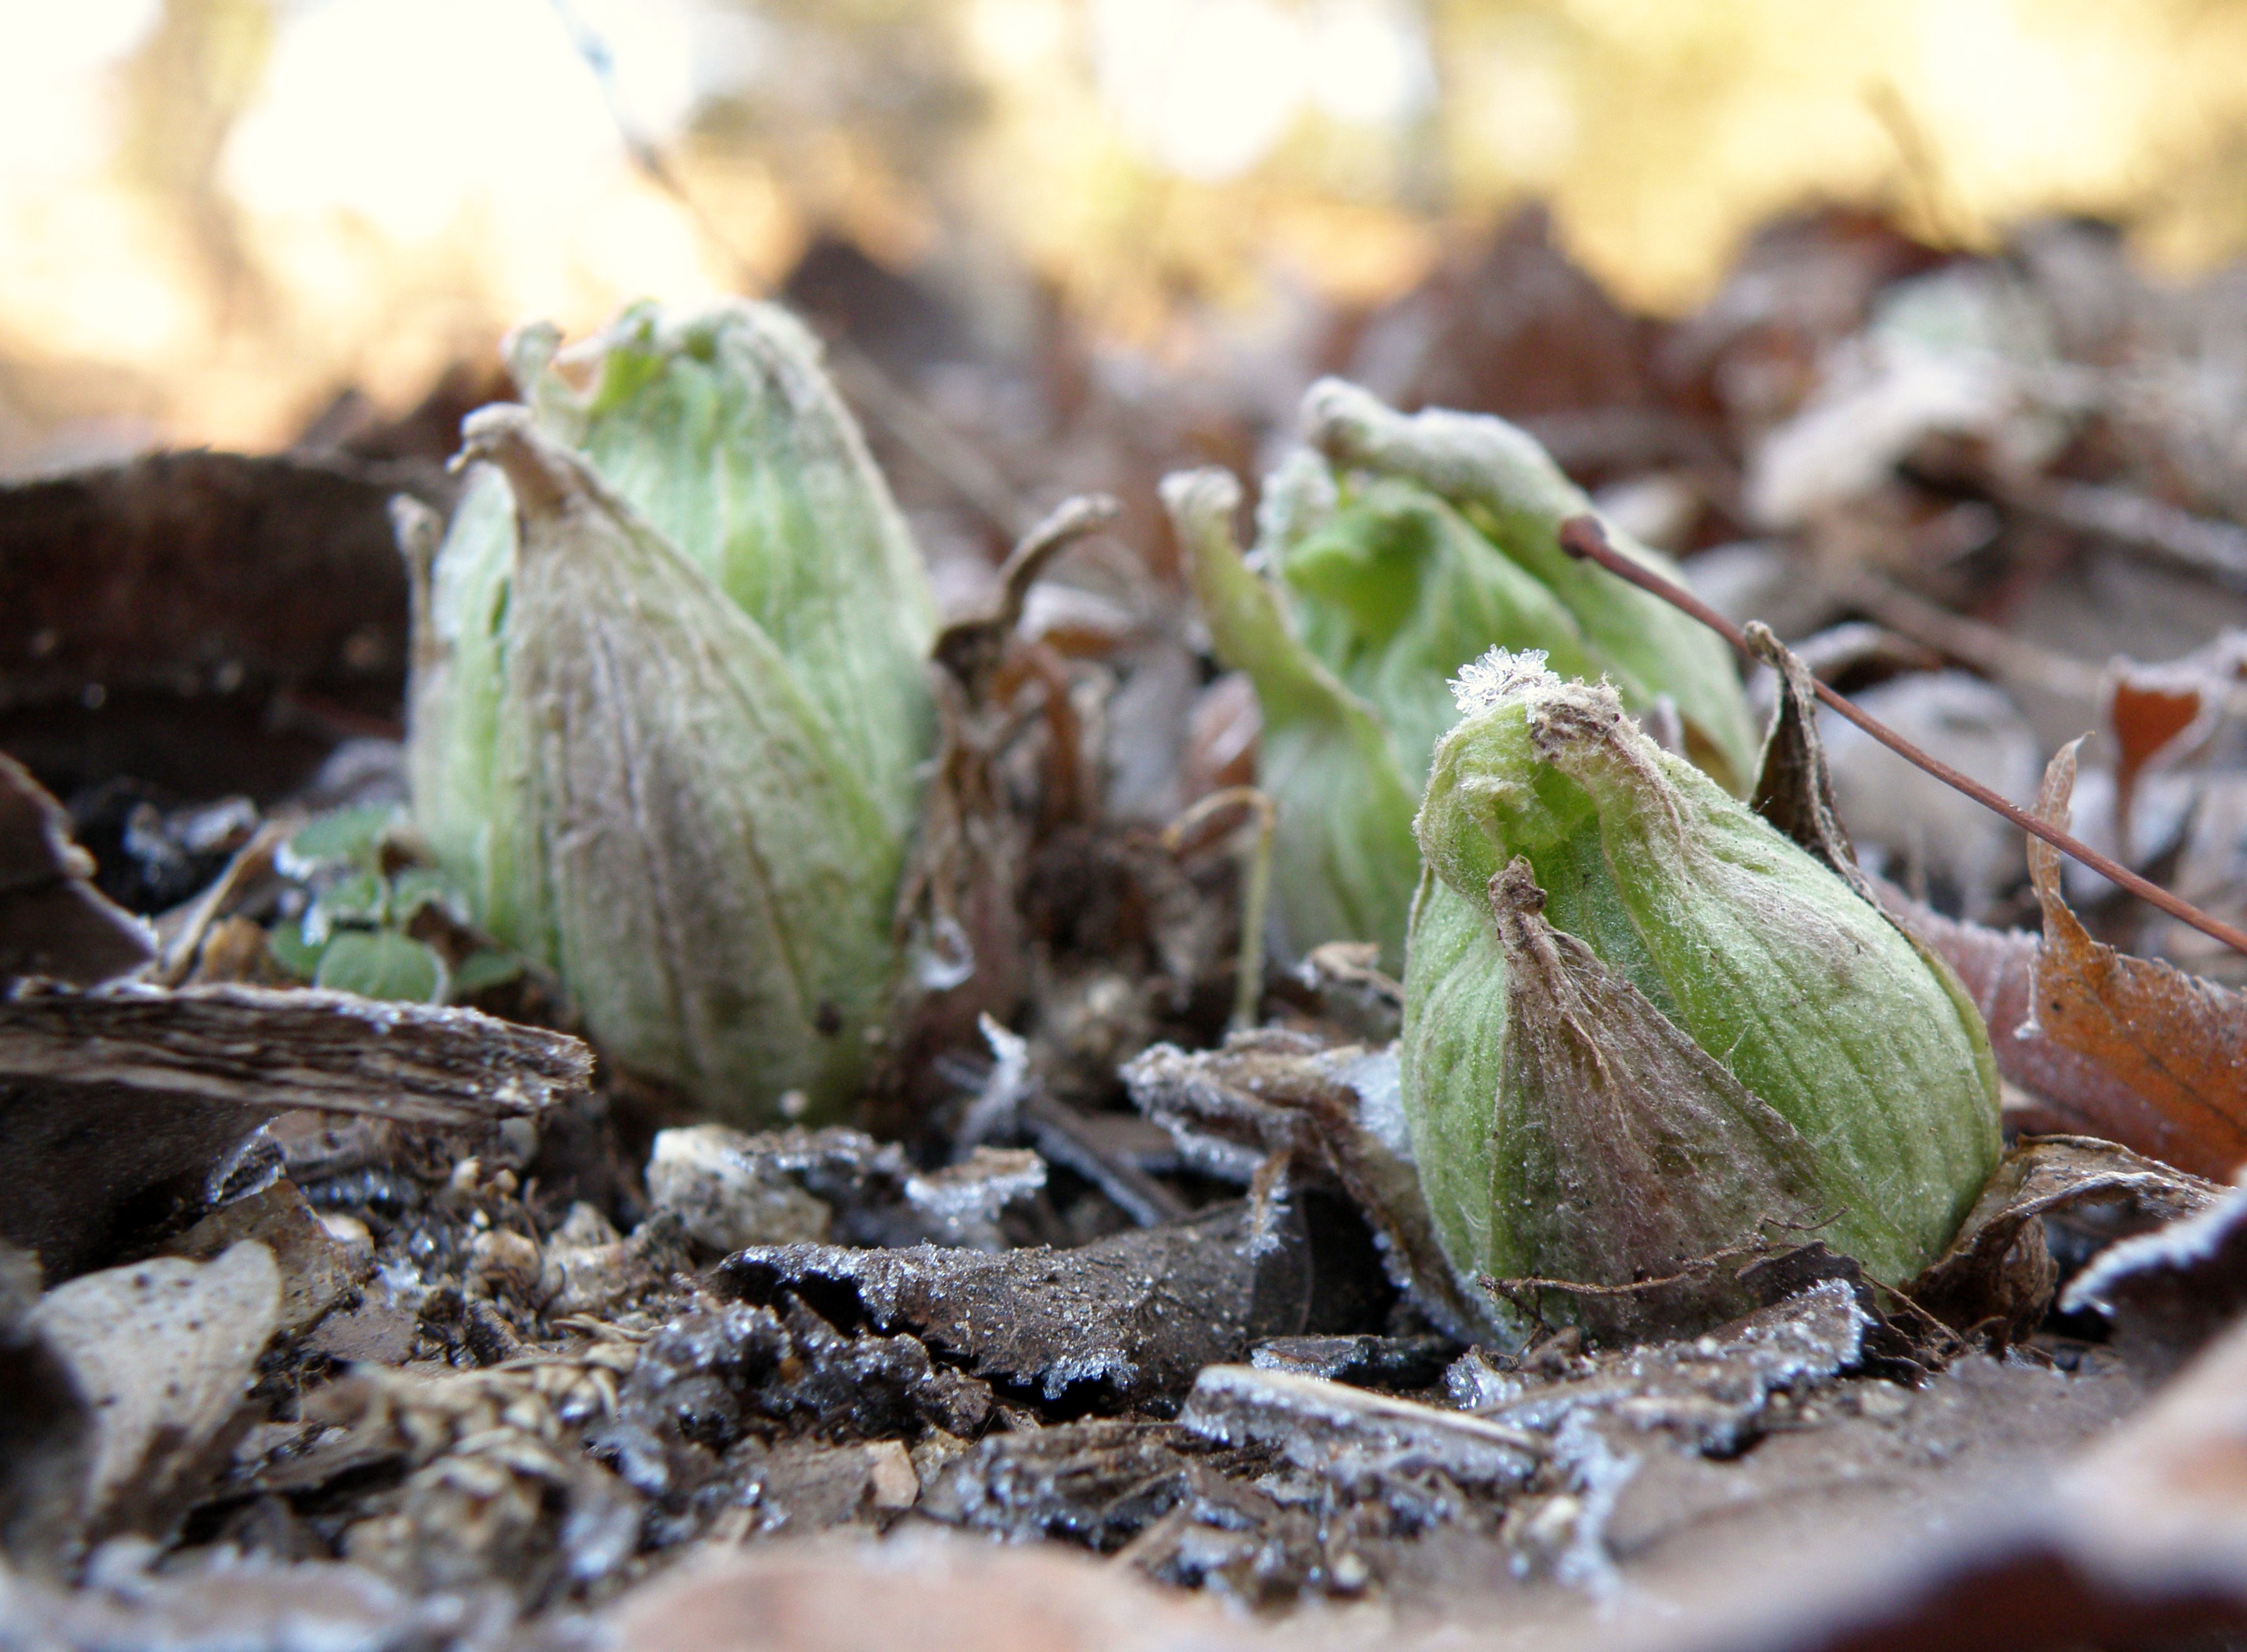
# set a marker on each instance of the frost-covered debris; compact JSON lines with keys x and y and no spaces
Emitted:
{"x":129,"y":1104}
{"x":1354,"y":1439}
{"x":731,"y":1191}
{"x":1098,"y":1484}
{"x":1282,"y":1111}
{"x":1124,"y":1319}
{"x":1710,"y":1392}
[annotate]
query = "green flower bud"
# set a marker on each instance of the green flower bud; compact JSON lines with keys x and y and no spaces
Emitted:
{"x":1507,"y":576}
{"x":720,"y":428}
{"x":1402,"y":550}
{"x":635,"y":785}
{"x":1342,"y":856}
{"x":1642,"y":1027}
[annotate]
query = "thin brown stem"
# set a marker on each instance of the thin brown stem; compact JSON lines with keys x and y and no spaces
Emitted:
{"x":1255,"y":888}
{"x":1582,"y":536}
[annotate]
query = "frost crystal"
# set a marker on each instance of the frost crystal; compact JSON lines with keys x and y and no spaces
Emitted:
{"x":1498,"y":675}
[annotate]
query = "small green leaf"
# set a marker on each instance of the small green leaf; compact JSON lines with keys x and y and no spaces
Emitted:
{"x":341,"y":837}
{"x":416,"y":887}
{"x":1343,"y":860}
{"x":486,"y":967}
{"x":292,"y":951}
{"x":361,"y":899}
{"x":380,"y":963}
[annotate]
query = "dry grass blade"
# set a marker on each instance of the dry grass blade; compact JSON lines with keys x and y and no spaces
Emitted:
{"x":2178,"y":1040}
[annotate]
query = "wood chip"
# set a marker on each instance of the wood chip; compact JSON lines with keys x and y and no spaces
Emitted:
{"x":274,"y":1048}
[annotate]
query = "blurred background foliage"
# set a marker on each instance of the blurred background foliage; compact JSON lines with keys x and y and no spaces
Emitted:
{"x":217,"y":213}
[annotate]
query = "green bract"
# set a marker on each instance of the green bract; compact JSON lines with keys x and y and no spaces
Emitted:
{"x":721,"y":428}
{"x":1642,"y":1026}
{"x":1401,"y":549}
{"x":1343,"y":859}
{"x":667,"y":706}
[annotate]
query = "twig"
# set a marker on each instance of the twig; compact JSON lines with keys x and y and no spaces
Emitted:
{"x":1256,"y":889}
{"x":2214,"y":550}
{"x":1069,"y":522}
{"x":1983,"y":648}
{"x":1582,"y":536}
{"x":971,"y":648}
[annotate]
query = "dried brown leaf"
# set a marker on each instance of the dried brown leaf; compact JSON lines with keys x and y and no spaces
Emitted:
{"x":53,"y":922}
{"x":1998,"y":1272}
{"x":2158,"y":715}
{"x":1794,"y":790}
{"x":1274,"y":1109}
{"x":2178,"y":1041}
{"x":163,"y":1353}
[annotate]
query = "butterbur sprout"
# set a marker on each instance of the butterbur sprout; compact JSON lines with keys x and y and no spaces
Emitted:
{"x":1343,"y":859}
{"x":1643,"y":1029}
{"x":667,"y":705}
{"x":720,"y":427}
{"x":1494,"y":477}
{"x":1393,"y":550}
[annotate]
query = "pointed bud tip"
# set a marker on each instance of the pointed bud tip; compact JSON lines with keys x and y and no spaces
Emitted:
{"x":542,"y":472}
{"x":528,"y":351}
{"x":1195,"y":496}
{"x":1514,"y":891}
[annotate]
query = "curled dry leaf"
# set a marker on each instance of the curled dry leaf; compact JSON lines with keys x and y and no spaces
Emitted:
{"x":1274,"y":1110}
{"x":2161,"y":715}
{"x":1794,"y":785}
{"x":53,"y":922}
{"x":1998,"y":1272}
{"x":2179,"y":1042}
{"x":2171,"y":1292}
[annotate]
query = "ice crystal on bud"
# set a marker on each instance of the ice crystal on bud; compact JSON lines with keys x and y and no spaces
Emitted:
{"x":1482,"y":683}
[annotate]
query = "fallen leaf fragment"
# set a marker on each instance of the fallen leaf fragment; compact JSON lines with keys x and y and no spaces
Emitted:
{"x":53,"y":922}
{"x":118,"y":1107}
{"x":2178,"y":1041}
{"x":1133,"y":1314}
{"x":1998,"y":1272}
{"x":2160,"y":715}
{"x":2169,"y":1292}
{"x":163,"y":1353}
{"x":1274,"y":1109}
